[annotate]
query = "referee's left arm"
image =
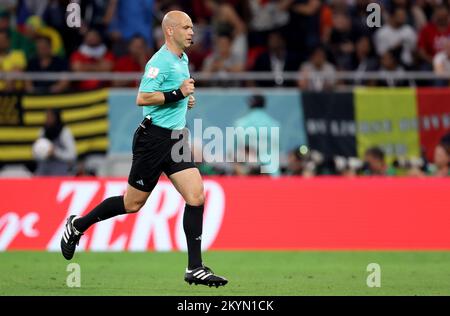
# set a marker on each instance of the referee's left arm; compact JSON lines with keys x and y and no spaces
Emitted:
{"x":157,"y":98}
{"x":150,"y":98}
{"x":156,"y":72}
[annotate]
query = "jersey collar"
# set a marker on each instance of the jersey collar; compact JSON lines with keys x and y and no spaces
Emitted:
{"x":182,"y":57}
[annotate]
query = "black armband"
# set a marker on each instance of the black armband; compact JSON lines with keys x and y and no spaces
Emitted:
{"x":173,"y":96}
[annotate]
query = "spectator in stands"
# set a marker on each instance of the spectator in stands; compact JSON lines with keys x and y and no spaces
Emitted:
{"x":346,"y":166}
{"x":27,"y":8}
{"x":222,"y":60}
{"x":266,"y":17}
{"x":35,"y":27}
{"x":203,"y":14}
{"x":397,"y":35}
{"x":415,"y":16}
{"x":161,"y":7}
{"x":440,"y":167}
{"x":427,"y":7}
{"x":17,"y":40}
{"x":135,"y":61}
{"x":295,"y":163}
{"x":375,"y":164}
{"x":433,"y":36}
{"x":441,"y":160}
{"x":62,"y":153}
{"x":342,"y":40}
{"x":277,"y":59}
{"x":326,"y":21}
{"x":441,"y":64}
{"x":317,"y":74}
{"x":226,"y":21}
{"x":363,"y":61}
{"x":92,"y":56}
{"x":256,"y":118}
{"x":10,"y":60}
{"x":392,"y":72}
{"x":304,"y":15}
{"x":8,"y":6}
{"x":130,"y":18}
{"x":301,"y":161}
{"x":54,"y":14}
{"x":99,"y":14}
{"x":46,"y":61}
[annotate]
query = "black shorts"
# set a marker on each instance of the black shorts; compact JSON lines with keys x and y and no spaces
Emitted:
{"x":152,"y":148}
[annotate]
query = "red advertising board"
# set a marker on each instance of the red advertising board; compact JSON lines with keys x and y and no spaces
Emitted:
{"x":240,"y":213}
{"x":433,"y":110}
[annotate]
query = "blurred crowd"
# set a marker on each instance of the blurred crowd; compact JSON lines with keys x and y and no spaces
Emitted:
{"x":305,"y":162}
{"x":308,"y":162}
{"x":317,"y":38}
{"x":55,"y":154}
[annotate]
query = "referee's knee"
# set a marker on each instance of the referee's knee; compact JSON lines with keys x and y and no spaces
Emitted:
{"x":195,"y":199}
{"x":133,"y":206}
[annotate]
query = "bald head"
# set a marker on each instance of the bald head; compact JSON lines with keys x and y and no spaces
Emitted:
{"x":173,"y":18}
{"x":178,"y":29}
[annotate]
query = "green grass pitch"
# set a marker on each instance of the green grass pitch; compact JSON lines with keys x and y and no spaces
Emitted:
{"x":249,"y":273}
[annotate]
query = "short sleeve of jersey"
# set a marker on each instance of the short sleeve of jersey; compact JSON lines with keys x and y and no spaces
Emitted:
{"x":156,"y":72}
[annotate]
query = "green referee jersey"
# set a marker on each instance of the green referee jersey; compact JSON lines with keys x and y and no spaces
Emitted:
{"x":164,"y":72}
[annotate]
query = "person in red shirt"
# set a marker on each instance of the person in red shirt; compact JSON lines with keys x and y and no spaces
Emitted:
{"x":136,"y":59}
{"x":92,"y":56}
{"x":433,"y":36}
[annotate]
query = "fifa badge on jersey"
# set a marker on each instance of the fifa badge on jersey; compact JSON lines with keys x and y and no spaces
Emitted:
{"x":152,"y":72}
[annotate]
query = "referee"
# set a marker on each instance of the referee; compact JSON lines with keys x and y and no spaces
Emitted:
{"x":165,"y":93}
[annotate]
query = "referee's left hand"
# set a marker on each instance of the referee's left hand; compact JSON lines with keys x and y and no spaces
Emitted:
{"x":191,"y":102}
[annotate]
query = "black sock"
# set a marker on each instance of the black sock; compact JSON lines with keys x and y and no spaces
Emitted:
{"x":110,"y":207}
{"x":193,"y":226}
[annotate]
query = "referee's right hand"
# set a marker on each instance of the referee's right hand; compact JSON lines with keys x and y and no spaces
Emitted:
{"x":187,"y":87}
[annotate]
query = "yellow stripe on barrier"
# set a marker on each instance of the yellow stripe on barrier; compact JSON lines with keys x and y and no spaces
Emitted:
{"x":91,"y":111}
{"x":18,"y":134}
{"x":61,"y":101}
{"x":93,"y":144}
{"x":69,"y":115}
{"x":89,"y":128}
{"x":21,"y":152}
{"x":31,"y":133}
{"x":34,"y":118}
